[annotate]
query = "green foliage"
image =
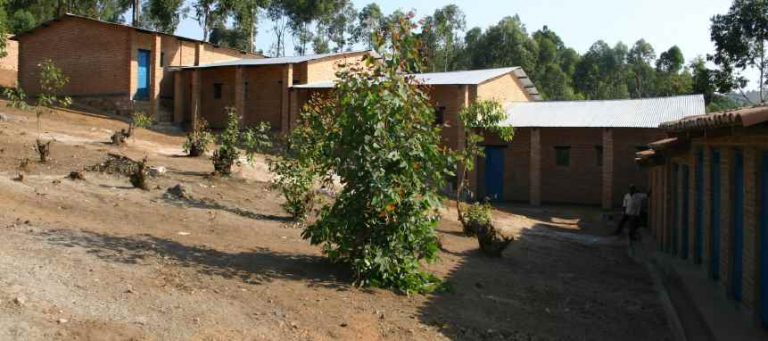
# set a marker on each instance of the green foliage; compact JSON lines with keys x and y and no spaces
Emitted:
{"x":375,"y":136}
{"x":476,"y":216}
{"x":17,"y":98}
{"x":52,"y":82}
{"x":296,"y":182}
{"x":256,"y":140}
{"x":141,"y":119}
{"x":740,"y":36}
{"x":198,"y":139}
{"x":226,"y":155}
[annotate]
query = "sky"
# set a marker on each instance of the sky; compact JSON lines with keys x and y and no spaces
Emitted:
{"x":663,"y":23}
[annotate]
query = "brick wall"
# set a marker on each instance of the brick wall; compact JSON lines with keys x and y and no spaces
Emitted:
{"x":580,"y":182}
{"x":504,"y":89}
{"x":211,"y":108}
{"x":625,"y":169}
{"x":9,"y":65}
{"x":751,"y":147}
{"x":263,"y":101}
{"x":94,"y":56}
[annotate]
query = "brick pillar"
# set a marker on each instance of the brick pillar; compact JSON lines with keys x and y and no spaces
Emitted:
{"x":195,"y":96}
{"x":692,"y":206}
{"x":293,"y":114}
{"x":156,"y":76}
{"x":198,"y":53}
{"x":287,"y":81}
{"x":706,"y":226}
{"x":240,"y":94}
{"x":607,"y":171}
{"x":178,"y":97}
{"x":535,"y":175}
{"x":669,"y":221}
{"x":751,"y":225}
{"x":134,"y":67}
{"x":726,"y":160}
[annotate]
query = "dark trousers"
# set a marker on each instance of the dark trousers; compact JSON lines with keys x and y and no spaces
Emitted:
{"x":632,"y":220}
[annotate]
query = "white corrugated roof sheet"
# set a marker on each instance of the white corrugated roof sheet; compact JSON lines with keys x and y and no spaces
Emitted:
{"x":470,"y":77}
{"x":272,"y":61}
{"x":631,"y":113}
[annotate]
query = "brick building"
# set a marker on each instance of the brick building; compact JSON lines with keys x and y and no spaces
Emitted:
{"x":9,"y":65}
{"x":574,"y":152}
{"x":450,"y":92}
{"x":260,"y":89}
{"x":113,"y":67}
{"x":709,"y":200}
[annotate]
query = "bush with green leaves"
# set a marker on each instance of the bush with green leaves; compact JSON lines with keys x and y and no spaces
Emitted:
{"x":198,"y":139}
{"x":141,"y":119}
{"x":252,"y":141}
{"x":296,"y":183}
{"x":375,"y":135}
{"x":479,"y":118}
{"x":476,"y":216}
{"x":17,"y":98}
{"x":52,"y":82}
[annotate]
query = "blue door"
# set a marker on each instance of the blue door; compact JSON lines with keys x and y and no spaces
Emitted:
{"x":715,"y":216}
{"x":142,"y":89}
{"x":763,"y":235}
{"x":737,"y":215}
{"x":494,"y":173}
{"x":685,"y":218}
{"x":698,"y":235}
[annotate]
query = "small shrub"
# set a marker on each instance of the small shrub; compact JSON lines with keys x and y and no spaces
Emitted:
{"x":44,"y":149}
{"x":296,"y":185}
{"x":121,"y":136}
{"x":141,"y":119}
{"x":139,"y":176}
{"x":52,"y":82}
{"x":256,"y":140}
{"x":198,"y":139}
{"x":17,"y":98}
{"x":476,"y":216}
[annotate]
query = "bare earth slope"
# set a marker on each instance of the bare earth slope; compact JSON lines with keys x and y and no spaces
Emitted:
{"x":97,"y":259}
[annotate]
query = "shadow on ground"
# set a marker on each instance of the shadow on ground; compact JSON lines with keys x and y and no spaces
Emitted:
{"x":212,"y":205}
{"x":254,"y":267}
{"x":550,"y":285}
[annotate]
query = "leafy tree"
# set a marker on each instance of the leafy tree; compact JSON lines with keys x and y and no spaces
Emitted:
{"x":277,"y":13}
{"x":641,"y":76}
{"x":449,"y":22}
{"x":671,"y":61}
{"x":375,"y":135}
{"x":600,"y":74}
{"x":479,"y":117}
{"x":164,"y":15}
{"x":740,"y":36}
{"x":369,"y":22}
{"x":231,"y":140}
{"x":52,"y":82}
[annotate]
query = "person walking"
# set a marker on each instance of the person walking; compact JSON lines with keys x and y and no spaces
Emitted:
{"x":632,"y":205}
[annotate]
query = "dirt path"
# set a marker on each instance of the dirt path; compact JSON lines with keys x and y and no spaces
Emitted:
{"x":97,"y":260}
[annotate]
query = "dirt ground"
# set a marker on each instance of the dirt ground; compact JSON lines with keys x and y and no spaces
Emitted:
{"x":98,"y":260}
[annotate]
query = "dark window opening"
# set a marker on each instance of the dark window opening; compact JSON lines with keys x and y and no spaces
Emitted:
{"x":296,"y":81}
{"x":563,"y":156}
{"x":162,"y":59}
{"x":440,"y":116}
{"x":599,"y":155}
{"x":245,"y":89}
{"x":217,"y":90}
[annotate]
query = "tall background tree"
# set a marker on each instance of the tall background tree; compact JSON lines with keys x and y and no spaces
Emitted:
{"x":740,"y":37}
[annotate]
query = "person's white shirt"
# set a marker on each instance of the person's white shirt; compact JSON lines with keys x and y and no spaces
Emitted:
{"x":633,"y":203}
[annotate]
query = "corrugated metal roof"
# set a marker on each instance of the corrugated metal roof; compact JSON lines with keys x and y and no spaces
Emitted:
{"x":632,"y":113}
{"x":743,"y":117}
{"x":470,"y":77}
{"x":274,"y":61}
